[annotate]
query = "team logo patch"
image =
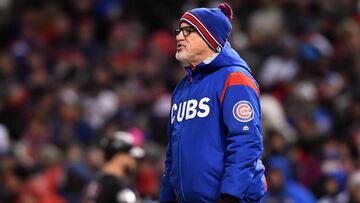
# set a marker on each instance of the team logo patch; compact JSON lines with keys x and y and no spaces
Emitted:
{"x":243,"y":111}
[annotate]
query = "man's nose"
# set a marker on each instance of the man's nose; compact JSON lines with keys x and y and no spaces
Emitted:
{"x":179,"y":36}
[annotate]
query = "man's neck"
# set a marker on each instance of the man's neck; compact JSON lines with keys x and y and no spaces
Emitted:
{"x":211,"y":58}
{"x":113,"y":169}
{"x":203,"y":57}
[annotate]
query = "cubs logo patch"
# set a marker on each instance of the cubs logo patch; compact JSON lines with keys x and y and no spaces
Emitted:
{"x":243,"y":111}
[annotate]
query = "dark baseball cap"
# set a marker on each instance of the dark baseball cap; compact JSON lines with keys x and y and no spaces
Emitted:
{"x":120,"y":142}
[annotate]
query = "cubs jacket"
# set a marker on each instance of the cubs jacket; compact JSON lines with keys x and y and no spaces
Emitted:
{"x":215,"y":138}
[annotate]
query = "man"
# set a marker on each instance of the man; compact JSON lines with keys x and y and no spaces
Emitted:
{"x":120,"y":160}
{"x":282,"y":185}
{"x":215,"y":141}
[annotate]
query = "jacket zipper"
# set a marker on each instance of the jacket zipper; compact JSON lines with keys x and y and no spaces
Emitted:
{"x":189,"y":72}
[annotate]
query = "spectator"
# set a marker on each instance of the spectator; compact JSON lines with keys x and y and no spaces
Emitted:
{"x":282,"y":187}
{"x":120,"y":162}
{"x":72,"y":71}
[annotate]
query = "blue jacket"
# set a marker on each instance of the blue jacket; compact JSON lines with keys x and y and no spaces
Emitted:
{"x":215,"y":139}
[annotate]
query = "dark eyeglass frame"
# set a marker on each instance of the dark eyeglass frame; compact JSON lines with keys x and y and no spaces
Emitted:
{"x":187,"y":30}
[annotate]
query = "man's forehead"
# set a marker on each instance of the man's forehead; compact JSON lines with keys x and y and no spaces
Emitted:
{"x":184,"y":24}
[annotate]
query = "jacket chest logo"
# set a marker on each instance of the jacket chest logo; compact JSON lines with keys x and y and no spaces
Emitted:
{"x":190,"y":109}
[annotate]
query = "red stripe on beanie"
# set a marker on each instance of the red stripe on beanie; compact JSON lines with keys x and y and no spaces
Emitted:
{"x":205,"y":33}
{"x":201,"y":34}
{"x":204,"y":24}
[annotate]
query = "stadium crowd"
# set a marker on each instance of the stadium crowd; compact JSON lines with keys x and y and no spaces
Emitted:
{"x":73,"y":71}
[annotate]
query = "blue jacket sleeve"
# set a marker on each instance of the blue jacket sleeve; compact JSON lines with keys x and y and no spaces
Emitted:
{"x":166,"y":190}
{"x":244,"y":173}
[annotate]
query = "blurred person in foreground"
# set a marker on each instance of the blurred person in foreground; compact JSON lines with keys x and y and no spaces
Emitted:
{"x":215,"y":141}
{"x":282,"y":185}
{"x":114,"y":183}
{"x":354,"y":187}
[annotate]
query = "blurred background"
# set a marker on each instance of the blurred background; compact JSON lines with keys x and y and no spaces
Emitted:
{"x":72,"y":71}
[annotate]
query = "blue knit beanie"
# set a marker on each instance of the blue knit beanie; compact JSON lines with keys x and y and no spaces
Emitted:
{"x":213,"y":24}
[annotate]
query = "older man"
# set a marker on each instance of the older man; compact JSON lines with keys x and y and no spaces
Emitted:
{"x":215,"y":139}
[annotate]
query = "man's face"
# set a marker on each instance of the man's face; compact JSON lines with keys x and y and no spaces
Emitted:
{"x":276,"y":181}
{"x":190,"y":47}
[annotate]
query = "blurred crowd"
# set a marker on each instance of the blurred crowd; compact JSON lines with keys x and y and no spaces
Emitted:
{"x":73,"y":71}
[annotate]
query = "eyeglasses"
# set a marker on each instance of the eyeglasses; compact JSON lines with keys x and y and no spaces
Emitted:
{"x":185,"y":30}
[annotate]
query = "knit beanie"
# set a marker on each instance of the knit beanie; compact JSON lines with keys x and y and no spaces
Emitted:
{"x":213,"y":24}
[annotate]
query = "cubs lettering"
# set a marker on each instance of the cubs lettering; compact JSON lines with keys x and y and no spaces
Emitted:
{"x":190,"y":109}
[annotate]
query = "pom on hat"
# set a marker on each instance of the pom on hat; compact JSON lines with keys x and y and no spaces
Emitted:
{"x":226,"y":9}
